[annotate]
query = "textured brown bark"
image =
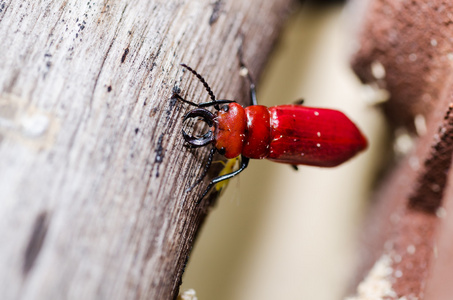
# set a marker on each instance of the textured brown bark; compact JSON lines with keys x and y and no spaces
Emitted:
{"x":93,"y":171}
{"x":409,"y":40}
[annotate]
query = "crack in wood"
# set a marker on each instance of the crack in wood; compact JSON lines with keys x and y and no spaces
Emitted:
{"x":160,"y":153}
{"x":35,"y":242}
{"x":216,"y":10}
{"x":126,"y":52}
{"x":106,"y":55}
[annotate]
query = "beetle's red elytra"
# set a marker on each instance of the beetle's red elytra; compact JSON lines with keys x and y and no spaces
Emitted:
{"x":293,"y":134}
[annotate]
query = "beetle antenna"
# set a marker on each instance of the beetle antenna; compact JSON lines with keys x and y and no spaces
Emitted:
{"x":205,"y":171}
{"x":206,"y":85}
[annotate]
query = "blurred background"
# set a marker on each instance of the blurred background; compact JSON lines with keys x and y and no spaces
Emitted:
{"x":280,"y":234}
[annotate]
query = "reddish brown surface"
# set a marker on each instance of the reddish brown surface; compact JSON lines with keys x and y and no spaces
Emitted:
{"x":439,"y":285}
{"x":403,"y":221}
{"x":411,"y":40}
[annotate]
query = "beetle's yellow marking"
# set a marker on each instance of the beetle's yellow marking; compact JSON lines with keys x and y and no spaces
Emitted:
{"x":229,"y":166}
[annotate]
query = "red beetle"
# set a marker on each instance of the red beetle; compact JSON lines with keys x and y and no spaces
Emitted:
{"x":292,"y":134}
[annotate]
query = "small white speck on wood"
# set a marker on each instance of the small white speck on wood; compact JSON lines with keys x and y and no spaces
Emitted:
{"x":93,"y":171}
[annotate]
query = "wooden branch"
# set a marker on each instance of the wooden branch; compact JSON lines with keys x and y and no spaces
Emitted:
{"x":93,"y":171}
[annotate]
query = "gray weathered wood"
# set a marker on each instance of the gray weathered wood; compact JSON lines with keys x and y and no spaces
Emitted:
{"x":93,"y":171}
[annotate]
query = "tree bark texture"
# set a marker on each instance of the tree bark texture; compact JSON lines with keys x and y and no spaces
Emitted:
{"x":93,"y":171}
{"x":405,"y":48}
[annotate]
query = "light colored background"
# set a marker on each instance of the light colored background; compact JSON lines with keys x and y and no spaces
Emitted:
{"x":281,"y":234}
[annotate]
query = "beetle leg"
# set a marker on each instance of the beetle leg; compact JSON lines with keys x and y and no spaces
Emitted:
{"x":178,"y":97}
{"x":205,"y":171}
{"x":205,"y":104}
{"x":299,"y":102}
{"x":244,"y":164}
{"x":244,"y":68}
{"x":295,"y":168}
{"x":253,"y":100}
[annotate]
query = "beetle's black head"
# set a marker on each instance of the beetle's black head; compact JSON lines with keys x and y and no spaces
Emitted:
{"x":207,"y":117}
